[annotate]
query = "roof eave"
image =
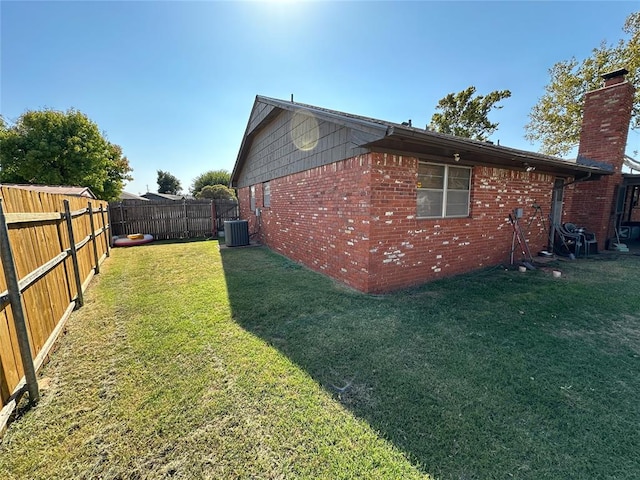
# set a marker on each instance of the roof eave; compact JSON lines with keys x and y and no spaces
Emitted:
{"x":478,"y":152}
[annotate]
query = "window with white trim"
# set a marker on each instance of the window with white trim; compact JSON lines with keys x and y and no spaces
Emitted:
{"x":266,"y":194}
{"x":443,"y":190}
{"x":252,"y":197}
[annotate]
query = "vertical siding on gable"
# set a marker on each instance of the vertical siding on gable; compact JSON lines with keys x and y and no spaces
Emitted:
{"x":273,"y":154}
{"x":259,"y":113}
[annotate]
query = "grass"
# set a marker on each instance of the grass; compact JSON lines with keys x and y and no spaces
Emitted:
{"x":491,"y":375}
{"x":155,"y":380}
{"x":254,"y":367}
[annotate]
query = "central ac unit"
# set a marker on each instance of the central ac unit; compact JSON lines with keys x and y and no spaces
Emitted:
{"x":236,"y":233}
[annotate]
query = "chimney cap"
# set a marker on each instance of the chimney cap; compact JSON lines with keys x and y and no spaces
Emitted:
{"x":616,"y":73}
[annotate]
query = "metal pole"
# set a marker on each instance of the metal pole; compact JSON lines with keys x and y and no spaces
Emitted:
{"x":74,"y":253}
{"x":15,"y":299}
{"x":93,"y":239}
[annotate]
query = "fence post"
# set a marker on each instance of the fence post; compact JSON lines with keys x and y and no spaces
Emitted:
{"x":214,"y":221}
{"x":15,"y":299}
{"x":93,"y":239}
{"x":105,"y":231}
{"x":74,"y":253}
{"x":122,"y":222}
{"x":186,"y":221}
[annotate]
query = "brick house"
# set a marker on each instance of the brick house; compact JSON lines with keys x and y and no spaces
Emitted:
{"x":381,"y":206}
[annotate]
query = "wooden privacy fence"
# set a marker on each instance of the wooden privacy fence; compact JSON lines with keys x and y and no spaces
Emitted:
{"x":171,"y":219}
{"x":51,"y":246}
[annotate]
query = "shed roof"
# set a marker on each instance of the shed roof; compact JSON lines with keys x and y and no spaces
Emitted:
{"x":162,"y":196}
{"x":132,"y":196}
{"x":385,"y":136}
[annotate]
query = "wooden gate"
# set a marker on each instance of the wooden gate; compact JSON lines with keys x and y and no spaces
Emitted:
{"x":226,"y":210}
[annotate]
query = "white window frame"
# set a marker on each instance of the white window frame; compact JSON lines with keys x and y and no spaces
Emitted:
{"x":266,"y":194}
{"x":445,"y":190}
{"x":252,"y":198}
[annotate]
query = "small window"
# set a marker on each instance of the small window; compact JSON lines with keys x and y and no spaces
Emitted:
{"x":266,"y":193}
{"x":443,"y":190}
{"x":252,"y":197}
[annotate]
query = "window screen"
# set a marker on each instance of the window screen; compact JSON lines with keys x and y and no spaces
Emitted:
{"x":443,"y":190}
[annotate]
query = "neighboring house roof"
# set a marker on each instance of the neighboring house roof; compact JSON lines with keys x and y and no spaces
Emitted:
{"x":370,"y":134}
{"x":57,"y":189}
{"x":162,"y":196}
{"x":131,"y":196}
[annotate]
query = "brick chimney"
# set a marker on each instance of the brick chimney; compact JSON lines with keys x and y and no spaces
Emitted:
{"x":603,"y":139}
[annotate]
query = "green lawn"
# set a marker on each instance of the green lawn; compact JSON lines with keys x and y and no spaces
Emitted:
{"x":155,"y":380}
{"x":188,"y":362}
{"x":496,"y":374}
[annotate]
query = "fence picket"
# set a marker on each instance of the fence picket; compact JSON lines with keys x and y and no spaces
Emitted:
{"x":46,"y":276}
{"x":15,"y":299}
{"x":167,"y":220}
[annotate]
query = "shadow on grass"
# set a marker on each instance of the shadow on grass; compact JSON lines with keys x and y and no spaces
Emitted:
{"x":479,"y":376}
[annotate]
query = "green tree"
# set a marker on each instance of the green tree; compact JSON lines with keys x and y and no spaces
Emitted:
{"x":62,"y":148}
{"x":556,"y":119}
{"x":168,"y":183}
{"x":212,"y":177}
{"x":217,"y":192}
{"x":4,"y":131}
{"x":117,"y":172}
{"x":464,"y":115}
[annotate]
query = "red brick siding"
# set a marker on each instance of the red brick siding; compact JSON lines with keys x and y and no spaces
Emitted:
{"x":355,"y":220}
{"x":320,"y":218}
{"x":406,"y":250}
{"x":605,"y":126}
{"x":244,"y":200}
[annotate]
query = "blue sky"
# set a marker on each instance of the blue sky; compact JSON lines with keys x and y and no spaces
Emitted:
{"x":173,"y":82}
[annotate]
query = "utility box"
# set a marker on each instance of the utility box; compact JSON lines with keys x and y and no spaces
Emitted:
{"x":236,"y":233}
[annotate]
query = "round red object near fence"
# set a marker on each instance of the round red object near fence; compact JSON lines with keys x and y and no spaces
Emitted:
{"x":132,"y":242}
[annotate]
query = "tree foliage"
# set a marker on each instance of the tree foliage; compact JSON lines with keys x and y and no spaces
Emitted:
{"x":168,"y":183}
{"x":212,"y":177}
{"x":61,"y":148}
{"x":556,"y":119}
{"x":217,"y":192}
{"x":464,"y":115}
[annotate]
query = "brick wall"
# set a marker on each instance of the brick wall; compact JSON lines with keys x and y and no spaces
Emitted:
{"x":320,"y":217}
{"x":355,"y":220}
{"x":406,"y":250}
{"x":603,"y":138}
